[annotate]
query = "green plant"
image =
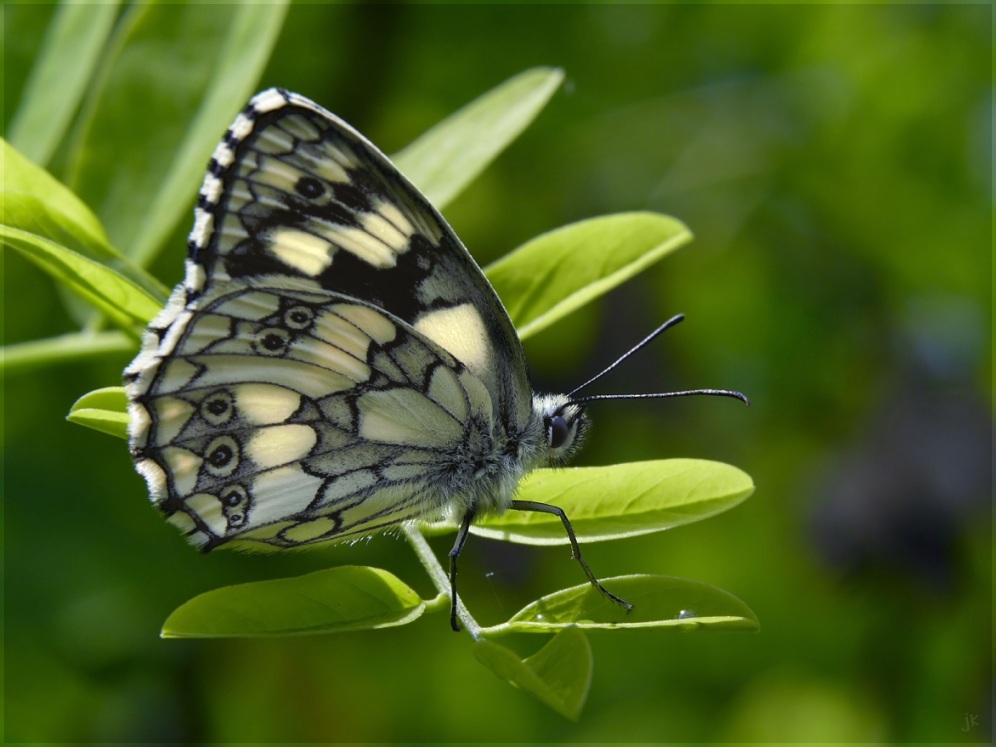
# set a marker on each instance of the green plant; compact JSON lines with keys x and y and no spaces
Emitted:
{"x":540,"y":282}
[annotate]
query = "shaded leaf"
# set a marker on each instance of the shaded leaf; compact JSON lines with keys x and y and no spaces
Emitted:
{"x":73,"y":42}
{"x":333,"y":600}
{"x":211,"y":56}
{"x":74,"y":346}
{"x":555,"y":273}
{"x":658,"y":602}
{"x":559,"y":674}
{"x":444,"y":160}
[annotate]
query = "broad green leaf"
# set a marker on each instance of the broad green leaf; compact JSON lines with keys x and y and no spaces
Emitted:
{"x":138,"y":156}
{"x":621,"y":500}
{"x":72,"y":47}
{"x":329,"y":601}
{"x":444,"y":160}
{"x":559,"y":674}
{"x":553,"y":274}
{"x":100,"y":286}
{"x":105,"y":410}
{"x":658,"y":602}
{"x":36,"y":203}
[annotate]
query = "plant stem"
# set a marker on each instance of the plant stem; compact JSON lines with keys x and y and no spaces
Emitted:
{"x":24,"y":356}
{"x":440,"y":579}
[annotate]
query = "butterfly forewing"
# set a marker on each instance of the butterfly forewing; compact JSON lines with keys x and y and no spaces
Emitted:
{"x":295,"y":191}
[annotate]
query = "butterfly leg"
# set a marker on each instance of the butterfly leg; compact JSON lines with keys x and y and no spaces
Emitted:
{"x":546,"y":508}
{"x":454,"y":554}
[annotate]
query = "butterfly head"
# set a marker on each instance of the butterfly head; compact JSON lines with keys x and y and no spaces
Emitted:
{"x":564,"y":424}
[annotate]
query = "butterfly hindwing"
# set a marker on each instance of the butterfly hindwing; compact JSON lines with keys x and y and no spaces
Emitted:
{"x":284,"y":415}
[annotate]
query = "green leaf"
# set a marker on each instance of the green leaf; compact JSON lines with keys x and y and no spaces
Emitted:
{"x":97,"y":284}
{"x":34,"y":203}
{"x":209,"y":58}
{"x":622,"y":500}
{"x":559,"y":674}
{"x":658,"y":602}
{"x":444,"y":160}
{"x":244,"y":53}
{"x":329,"y":601}
{"x":555,"y":273}
{"x":105,"y":410}
{"x":72,"y":47}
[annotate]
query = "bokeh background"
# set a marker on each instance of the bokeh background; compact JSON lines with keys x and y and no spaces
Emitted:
{"x":835,"y":164}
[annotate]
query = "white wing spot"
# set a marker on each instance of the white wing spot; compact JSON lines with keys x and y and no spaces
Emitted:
{"x":300,"y":250}
{"x":405,"y":416}
{"x":377,"y":225}
{"x":268,"y":100}
{"x":281,"y":493}
{"x":363,"y":246}
{"x":263,"y":404}
{"x":281,"y":444}
{"x":392,"y":213}
{"x":377,"y":326}
{"x":459,"y":330}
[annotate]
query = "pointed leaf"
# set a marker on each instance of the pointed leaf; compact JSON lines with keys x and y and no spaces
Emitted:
{"x":105,"y":410}
{"x":622,"y":500}
{"x":97,"y":284}
{"x":444,"y":160}
{"x":559,"y":674}
{"x":557,"y":272}
{"x":658,"y":602}
{"x":36,"y":203}
{"x":138,"y":155}
{"x":329,"y":601}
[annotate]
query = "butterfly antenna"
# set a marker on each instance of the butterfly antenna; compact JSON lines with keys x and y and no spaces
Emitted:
{"x":656,"y":395}
{"x":643,"y":343}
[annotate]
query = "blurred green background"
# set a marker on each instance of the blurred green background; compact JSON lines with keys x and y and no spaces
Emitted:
{"x":835,"y":164}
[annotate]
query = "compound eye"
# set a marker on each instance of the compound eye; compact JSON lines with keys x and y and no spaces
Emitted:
{"x":557,"y":431}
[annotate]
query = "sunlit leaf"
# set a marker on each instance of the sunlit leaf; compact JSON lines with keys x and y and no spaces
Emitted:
{"x":621,"y":500}
{"x":444,"y":160}
{"x":559,"y":674}
{"x":105,"y":410}
{"x":35,"y":203}
{"x":333,"y":600}
{"x":553,"y":274}
{"x":97,"y":284}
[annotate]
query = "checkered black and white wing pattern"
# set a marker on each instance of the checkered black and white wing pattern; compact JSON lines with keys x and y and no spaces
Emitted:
{"x":283,"y":416}
{"x":334,"y":362}
{"x":294,"y":190}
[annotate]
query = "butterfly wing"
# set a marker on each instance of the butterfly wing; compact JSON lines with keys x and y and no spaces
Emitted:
{"x":334,"y":362}
{"x":292,"y":190}
{"x":279,"y":415}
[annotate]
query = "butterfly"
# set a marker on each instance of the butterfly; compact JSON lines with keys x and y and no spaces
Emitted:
{"x":334,"y":362}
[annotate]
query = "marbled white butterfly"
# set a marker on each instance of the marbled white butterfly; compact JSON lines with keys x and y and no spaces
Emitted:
{"x":334,"y":362}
